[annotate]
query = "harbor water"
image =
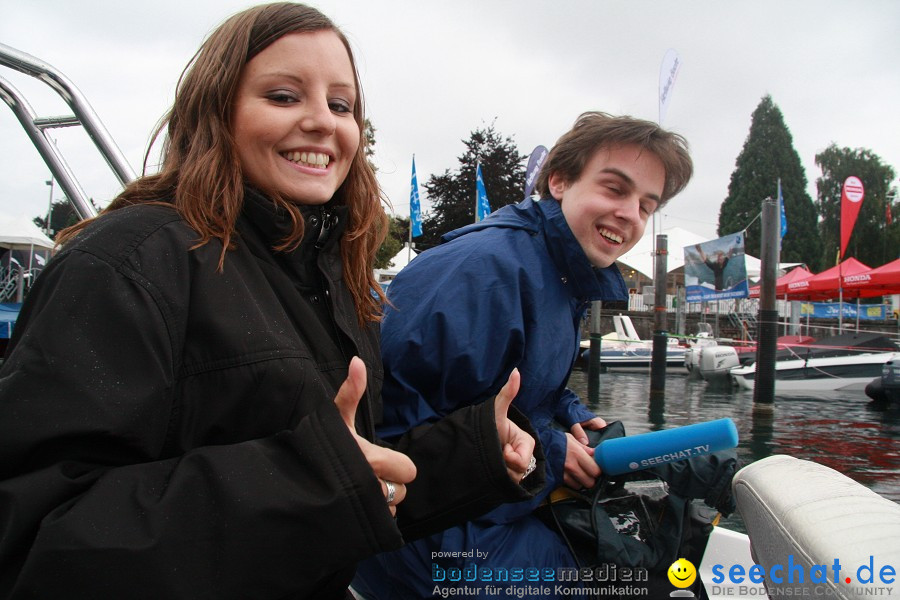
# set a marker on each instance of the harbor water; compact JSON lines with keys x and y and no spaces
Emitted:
{"x":842,"y":430}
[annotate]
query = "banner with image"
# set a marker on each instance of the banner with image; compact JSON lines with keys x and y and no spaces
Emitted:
{"x":716,"y":270}
{"x":832,"y":310}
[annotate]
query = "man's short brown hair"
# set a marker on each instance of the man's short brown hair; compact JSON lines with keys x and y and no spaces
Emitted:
{"x":594,"y":131}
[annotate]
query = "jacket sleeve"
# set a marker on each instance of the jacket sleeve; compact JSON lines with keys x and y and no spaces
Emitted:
{"x":89,"y":505}
{"x":452,"y":343}
{"x":461,"y":472}
{"x":570,"y":410}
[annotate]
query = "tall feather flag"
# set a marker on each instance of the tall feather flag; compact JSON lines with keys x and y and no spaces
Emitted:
{"x":852,"y":193}
{"x":415,"y":209}
{"x":535,"y":161}
{"x":482,"y":206}
{"x":668,"y":71}
{"x":783,"y":215}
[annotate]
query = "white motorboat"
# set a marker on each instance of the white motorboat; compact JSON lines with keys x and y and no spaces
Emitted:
{"x":715,"y":361}
{"x":623,"y":350}
{"x":844,"y":362}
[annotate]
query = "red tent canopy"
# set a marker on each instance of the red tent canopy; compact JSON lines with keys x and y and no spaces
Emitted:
{"x":798,"y":289}
{"x":880,"y":281}
{"x":828,"y":283}
{"x":781,"y":284}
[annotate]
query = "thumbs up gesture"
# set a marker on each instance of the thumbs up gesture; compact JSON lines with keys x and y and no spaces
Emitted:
{"x":393,"y":469}
{"x":518,"y":446}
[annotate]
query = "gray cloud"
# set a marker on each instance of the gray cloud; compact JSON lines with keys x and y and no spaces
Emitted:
{"x":434,"y":71}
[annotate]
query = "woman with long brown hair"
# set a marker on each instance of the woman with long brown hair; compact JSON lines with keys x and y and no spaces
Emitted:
{"x":187,"y":406}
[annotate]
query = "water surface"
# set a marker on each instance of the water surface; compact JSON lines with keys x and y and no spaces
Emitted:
{"x":842,"y":430}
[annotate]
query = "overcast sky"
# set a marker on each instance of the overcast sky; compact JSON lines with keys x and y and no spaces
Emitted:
{"x":432,"y":72}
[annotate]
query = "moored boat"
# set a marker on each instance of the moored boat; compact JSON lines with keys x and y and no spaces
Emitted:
{"x":843,"y":362}
{"x":623,"y":349}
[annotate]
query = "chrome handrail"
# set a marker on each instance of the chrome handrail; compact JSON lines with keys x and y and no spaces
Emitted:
{"x":36,"y":127}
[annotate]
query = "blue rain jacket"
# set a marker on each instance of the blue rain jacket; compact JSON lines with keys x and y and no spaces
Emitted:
{"x":509,"y":291}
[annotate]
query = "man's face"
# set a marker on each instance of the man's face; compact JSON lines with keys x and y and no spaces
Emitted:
{"x":607,"y":207}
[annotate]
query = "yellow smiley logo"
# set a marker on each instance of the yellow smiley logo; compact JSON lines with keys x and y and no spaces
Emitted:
{"x":682,"y":573}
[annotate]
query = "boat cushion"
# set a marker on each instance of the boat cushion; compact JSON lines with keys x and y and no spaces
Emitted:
{"x":801,"y":512}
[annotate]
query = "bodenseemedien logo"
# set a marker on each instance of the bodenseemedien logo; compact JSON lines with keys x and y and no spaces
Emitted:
{"x":606,"y":580}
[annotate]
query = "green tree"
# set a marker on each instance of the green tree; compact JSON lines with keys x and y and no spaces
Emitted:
{"x":398,"y":234}
{"x":62,"y":215}
{"x":369,"y":136}
{"x":452,"y":194}
{"x":892,"y":225}
{"x":391,"y":244}
{"x":767,"y":156}
{"x":872,"y":241}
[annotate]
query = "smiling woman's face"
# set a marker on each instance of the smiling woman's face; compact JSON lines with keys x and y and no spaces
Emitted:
{"x":293,"y":121}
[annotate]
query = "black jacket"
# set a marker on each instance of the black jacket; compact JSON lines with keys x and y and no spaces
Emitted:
{"x":169,"y":431}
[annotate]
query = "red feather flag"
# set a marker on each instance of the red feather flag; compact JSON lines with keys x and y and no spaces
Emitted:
{"x":852,"y":194}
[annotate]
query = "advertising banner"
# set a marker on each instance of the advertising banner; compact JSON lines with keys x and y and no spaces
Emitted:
{"x":831,"y":310}
{"x":716,"y":270}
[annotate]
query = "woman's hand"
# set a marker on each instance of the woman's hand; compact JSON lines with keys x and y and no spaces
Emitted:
{"x":518,"y":446}
{"x":393,"y":469}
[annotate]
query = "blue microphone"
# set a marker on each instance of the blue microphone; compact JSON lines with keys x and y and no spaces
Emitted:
{"x":645,"y":450}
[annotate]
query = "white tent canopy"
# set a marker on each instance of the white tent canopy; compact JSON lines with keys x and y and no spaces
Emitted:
{"x":640,"y":258}
{"x":21,"y":233}
{"x":400,"y":260}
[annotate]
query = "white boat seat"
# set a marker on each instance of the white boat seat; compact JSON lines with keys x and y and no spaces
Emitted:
{"x":803,"y":509}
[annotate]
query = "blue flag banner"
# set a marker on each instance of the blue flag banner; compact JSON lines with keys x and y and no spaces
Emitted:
{"x":415,"y":209}
{"x":482,"y":206}
{"x":538,"y":156}
{"x":783,"y":215}
{"x":716,"y":270}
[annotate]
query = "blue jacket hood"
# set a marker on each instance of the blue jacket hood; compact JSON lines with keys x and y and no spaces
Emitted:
{"x":516,"y":216}
{"x":589,"y":282}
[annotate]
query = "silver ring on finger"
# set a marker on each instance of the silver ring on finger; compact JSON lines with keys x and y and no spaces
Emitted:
{"x":532,"y":465}
{"x":391,"y":490}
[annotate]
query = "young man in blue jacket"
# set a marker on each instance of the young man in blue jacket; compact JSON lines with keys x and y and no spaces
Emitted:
{"x":510,"y":291}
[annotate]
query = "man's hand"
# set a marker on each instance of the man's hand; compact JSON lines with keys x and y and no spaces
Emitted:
{"x":518,"y":446}
{"x":577,"y":430}
{"x":580,"y":470}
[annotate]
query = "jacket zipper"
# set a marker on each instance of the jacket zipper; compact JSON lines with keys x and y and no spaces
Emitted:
{"x":364,"y":414}
{"x":328,"y":221}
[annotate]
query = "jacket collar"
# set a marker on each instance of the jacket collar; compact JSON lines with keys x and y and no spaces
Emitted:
{"x":323,"y":224}
{"x":587,"y":281}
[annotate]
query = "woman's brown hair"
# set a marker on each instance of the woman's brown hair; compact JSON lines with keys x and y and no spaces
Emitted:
{"x":201,"y":173}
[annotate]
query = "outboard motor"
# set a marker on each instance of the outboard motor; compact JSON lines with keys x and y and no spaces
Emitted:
{"x":887,"y":387}
{"x":716,"y":362}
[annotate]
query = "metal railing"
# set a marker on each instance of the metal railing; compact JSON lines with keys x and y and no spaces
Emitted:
{"x":37,"y":127}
